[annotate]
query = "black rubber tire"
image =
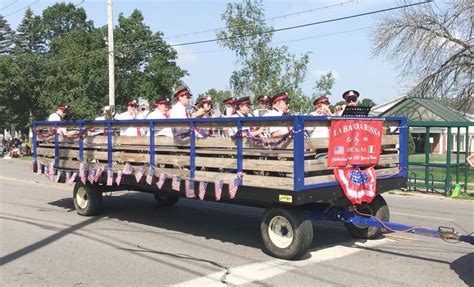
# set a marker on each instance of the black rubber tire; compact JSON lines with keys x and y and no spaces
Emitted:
{"x":302,"y":226}
{"x":165,"y":199}
{"x":93,"y":199}
{"x":379,"y":208}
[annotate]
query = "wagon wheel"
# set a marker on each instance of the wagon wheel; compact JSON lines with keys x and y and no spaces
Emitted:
{"x":165,"y":199}
{"x":87,"y":199}
{"x":378,"y":208}
{"x":287,"y":232}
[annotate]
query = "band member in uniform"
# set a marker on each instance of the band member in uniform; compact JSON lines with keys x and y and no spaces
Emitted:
{"x":229,"y":105}
{"x":130,"y":114}
{"x":107,"y":114}
{"x":280,"y":103}
{"x":350,"y":97}
{"x":59,"y":115}
{"x":182,"y":97}
{"x":263,"y":106}
{"x":204,"y":103}
{"x":321,"y":105}
{"x":162,"y":108}
{"x":242,"y":109}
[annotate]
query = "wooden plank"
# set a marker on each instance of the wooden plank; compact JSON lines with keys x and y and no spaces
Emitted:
{"x":330,"y":178}
{"x":282,"y":183}
{"x":178,"y":160}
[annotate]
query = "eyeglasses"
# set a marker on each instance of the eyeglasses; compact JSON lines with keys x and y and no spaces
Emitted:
{"x":351,"y":100}
{"x":287,"y":102}
{"x":189,"y":96}
{"x":133,"y":106}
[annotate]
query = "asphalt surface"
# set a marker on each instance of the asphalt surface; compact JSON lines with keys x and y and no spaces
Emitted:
{"x":133,"y":242}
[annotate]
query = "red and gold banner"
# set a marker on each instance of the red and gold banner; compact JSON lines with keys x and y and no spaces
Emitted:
{"x":354,"y":142}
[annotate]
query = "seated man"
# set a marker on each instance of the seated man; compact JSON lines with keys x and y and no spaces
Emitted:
{"x":59,"y":115}
{"x":321,"y":105}
{"x":280,"y":104}
{"x":162,"y":108}
{"x":243,"y":109}
{"x":130,"y":114}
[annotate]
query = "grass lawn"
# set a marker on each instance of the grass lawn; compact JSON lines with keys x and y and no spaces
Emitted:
{"x":440,"y":174}
{"x":434,"y":158}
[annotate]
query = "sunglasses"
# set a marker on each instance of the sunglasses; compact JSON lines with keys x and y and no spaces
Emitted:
{"x":351,"y":100}
{"x":133,"y":106}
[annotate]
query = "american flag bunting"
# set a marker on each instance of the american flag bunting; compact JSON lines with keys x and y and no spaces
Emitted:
{"x":234,"y":185}
{"x":58,"y":176}
{"x":176,"y":183}
{"x":218,"y":189}
{"x":82,"y":175}
{"x":72,"y":178}
{"x":110,"y":177}
{"x":38,"y":167}
{"x":91,"y":176}
{"x":127,"y":169}
{"x":98,"y":173}
{"x":68,"y":176}
{"x":51,"y":168}
{"x":161,"y":180}
{"x":150,"y":175}
{"x":139,"y":174}
{"x":190,"y":189}
{"x":118,"y":180}
{"x":202,"y":189}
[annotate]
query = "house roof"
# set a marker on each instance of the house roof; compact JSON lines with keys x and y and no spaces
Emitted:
{"x":425,"y":110}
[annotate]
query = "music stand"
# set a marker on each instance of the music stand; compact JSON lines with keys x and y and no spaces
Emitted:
{"x":357,"y":111}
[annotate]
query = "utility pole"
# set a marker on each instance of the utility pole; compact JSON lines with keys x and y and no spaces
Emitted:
{"x":111,"y":54}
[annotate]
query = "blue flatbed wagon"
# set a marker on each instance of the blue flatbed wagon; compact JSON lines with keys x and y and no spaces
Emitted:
{"x":288,"y":176}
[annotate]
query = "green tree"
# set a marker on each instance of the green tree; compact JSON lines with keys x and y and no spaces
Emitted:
{"x":264,"y":70}
{"x":62,"y":18}
{"x":28,"y":37}
{"x":6,"y":37}
{"x":367,"y":103}
{"x":145,"y":64}
{"x":324,"y":85}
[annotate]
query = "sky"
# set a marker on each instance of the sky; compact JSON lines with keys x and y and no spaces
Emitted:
{"x":343,"y":47}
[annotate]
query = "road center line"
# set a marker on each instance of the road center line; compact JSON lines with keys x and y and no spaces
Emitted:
{"x":422,"y":216}
{"x":59,"y":186}
{"x":264,"y":270}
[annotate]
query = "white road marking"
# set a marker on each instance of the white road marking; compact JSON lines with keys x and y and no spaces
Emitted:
{"x":59,"y":186}
{"x":422,"y":216}
{"x":264,"y":270}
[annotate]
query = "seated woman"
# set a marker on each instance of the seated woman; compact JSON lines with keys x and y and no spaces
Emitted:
{"x":321,"y":105}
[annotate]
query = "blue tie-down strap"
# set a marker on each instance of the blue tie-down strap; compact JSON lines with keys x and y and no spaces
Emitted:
{"x":447,"y":234}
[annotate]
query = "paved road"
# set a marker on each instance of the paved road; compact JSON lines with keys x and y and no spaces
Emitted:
{"x":44,"y":242}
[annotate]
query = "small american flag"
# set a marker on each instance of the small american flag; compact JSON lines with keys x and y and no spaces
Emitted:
{"x":139,"y":174}
{"x":46,"y":171}
{"x":58,"y":176}
{"x":338,"y":150}
{"x":38,"y":167}
{"x":127,"y":169}
{"x":176,"y":183}
{"x":68,"y":176}
{"x":72,"y":179}
{"x":110,"y":177}
{"x":234,"y":185}
{"x":161,"y":180}
{"x":151,"y":174}
{"x":81,"y":173}
{"x":91,"y":176}
{"x":190,"y":189}
{"x":218,"y":189}
{"x":118,"y":180}
{"x":51,"y":168}
{"x":98,"y":173}
{"x":202,"y":189}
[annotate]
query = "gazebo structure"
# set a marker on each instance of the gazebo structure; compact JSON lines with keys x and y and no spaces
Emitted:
{"x":442,"y":135}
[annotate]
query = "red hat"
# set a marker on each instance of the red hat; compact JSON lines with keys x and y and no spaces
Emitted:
{"x":242,"y":101}
{"x":279,"y":97}
{"x":321,"y":100}
{"x":163,"y":101}
{"x":264,"y":99}
{"x":132,"y":103}
{"x":63,"y":107}
{"x":229,"y":101}
{"x":350,"y":93}
{"x":203,"y":100}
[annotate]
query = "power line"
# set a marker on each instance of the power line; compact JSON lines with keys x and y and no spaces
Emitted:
{"x":267,"y":19}
{"x":16,"y":11}
{"x":305,"y":25}
{"x":288,"y":41}
{"x":8,"y":5}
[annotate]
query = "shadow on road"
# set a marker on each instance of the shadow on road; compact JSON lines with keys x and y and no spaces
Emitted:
{"x":464,"y":267}
{"x":236,"y":224}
